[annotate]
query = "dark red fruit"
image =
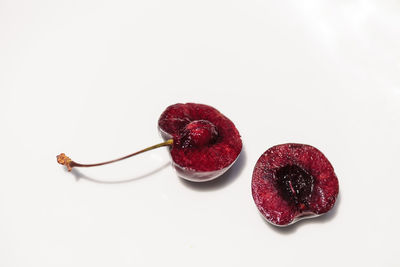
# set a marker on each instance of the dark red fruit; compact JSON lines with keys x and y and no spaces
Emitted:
{"x":292,"y":182}
{"x":206,"y":143}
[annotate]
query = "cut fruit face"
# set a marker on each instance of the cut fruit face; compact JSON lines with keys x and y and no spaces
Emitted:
{"x":206,"y":143}
{"x":292,"y":182}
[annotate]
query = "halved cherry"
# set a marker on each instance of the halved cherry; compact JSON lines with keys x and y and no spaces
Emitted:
{"x":293,"y":181}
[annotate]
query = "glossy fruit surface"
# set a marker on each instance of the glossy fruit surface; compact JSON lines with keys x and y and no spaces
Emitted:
{"x":206,"y":143}
{"x":292,"y":182}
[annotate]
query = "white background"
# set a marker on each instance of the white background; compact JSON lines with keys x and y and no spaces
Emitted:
{"x":90,"y":78}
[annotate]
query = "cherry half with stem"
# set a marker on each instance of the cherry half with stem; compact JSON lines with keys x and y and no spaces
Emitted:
{"x":203,"y":143}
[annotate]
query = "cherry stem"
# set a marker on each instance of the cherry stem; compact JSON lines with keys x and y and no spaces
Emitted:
{"x":64,"y":160}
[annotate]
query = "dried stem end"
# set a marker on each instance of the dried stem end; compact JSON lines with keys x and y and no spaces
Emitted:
{"x":64,"y":160}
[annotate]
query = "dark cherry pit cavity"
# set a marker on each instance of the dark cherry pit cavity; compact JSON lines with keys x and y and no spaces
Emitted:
{"x":295,"y":185}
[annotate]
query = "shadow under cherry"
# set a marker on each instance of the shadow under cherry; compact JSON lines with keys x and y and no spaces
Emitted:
{"x":79,"y":175}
